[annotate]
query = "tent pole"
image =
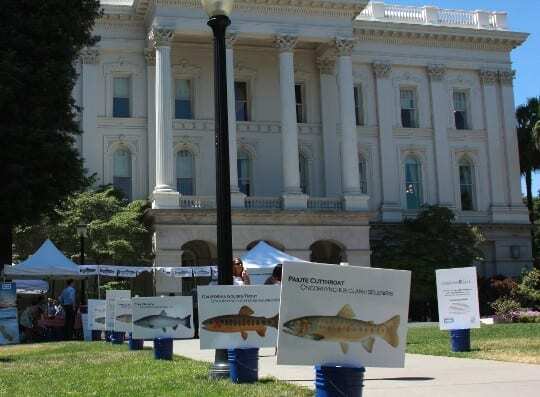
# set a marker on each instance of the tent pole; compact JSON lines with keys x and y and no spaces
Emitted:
{"x":98,"y":283}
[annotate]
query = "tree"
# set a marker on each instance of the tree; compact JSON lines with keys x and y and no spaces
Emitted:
{"x":430,"y":241}
{"x":116,"y":233}
{"x":39,"y":163}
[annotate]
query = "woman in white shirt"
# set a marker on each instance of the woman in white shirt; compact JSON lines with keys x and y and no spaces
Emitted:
{"x":240,"y":275}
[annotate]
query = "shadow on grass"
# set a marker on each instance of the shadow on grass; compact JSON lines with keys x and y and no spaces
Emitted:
{"x":7,"y":359}
{"x":405,"y":378}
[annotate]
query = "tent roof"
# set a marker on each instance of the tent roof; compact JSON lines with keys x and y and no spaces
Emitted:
{"x":264,"y":255}
{"x":46,"y":263}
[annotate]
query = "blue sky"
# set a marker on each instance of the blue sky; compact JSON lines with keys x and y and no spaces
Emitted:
{"x":523,"y":16}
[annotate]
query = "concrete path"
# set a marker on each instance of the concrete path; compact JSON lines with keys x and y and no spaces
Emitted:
{"x":423,"y":376}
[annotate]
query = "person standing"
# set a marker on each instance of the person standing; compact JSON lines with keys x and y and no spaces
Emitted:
{"x":67,"y":300}
{"x":240,"y":275}
{"x":275,"y":278}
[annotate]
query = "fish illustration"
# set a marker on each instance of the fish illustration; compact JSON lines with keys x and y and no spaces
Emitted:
{"x":344,"y":328}
{"x":124,"y":318}
{"x":163,"y":321}
{"x":7,"y":336}
{"x":100,"y":320}
{"x":242,"y":322}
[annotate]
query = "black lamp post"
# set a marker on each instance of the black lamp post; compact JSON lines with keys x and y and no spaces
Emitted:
{"x":82,"y":232}
{"x":218,"y":12}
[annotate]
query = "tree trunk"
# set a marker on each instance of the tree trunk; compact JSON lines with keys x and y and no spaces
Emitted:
{"x":6,"y":241}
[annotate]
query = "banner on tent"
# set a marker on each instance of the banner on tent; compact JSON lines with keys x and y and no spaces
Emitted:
{"x":9,"y":324}
{"x":343,"y":315}
{"x":169,"y":316}
{"x":122,"y":315}
{"x":96,"y":314}
{"x":111,"y":296}
{"x":238,"y":317}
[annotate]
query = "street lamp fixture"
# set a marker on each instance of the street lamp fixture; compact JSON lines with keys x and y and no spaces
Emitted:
{"x":218,"y":12}
{"x":82,"y":230}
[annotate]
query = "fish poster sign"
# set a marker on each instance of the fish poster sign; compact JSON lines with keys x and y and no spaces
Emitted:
{"x":122,"y":315}
{"x":238,"y":316}
{"x":170,"y":316}
{"x":9,"y":324}
{"x":96,"y":314}
{"x":343,"y":315}
{"x":457,"y":297}
{"x":111,"y":296}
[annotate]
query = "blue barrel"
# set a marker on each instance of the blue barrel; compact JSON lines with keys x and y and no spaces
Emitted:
{"x":163,"y":348}
{"x":460,"y":340}
{"x":96,"y":335}
{"x":135,"y":344}
{"x":244,"y":365}
{"x":108,"y":336}
{"x":117,"y":338}
{"x":338,"y":381}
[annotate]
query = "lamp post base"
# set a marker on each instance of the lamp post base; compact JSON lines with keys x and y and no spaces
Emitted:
{"x":220,"y":369}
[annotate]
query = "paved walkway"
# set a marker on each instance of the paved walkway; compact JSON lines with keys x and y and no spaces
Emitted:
{"x":423,"y":376}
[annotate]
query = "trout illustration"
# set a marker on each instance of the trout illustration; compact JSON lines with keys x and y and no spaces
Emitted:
{"x":7,"y":336}
{"x":163,"y":321}
{"x":344,"y":328}
{"x":124,"y":318}
{"x":242,"y":322}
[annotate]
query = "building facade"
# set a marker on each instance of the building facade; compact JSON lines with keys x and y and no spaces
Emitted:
{"x":342,"y":115}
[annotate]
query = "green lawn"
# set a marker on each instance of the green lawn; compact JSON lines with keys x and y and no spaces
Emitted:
{"x":501,"y":342}
{"x":101,"y":369}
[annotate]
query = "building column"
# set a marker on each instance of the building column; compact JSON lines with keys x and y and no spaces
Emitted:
{"x":329,"y":111}
{"x":164,"y":195}
{"x":497,"y":174}
{"x":353,"y":199}
{"x":237,"y":197}
{"x":91,"y":150}
{"x":439,"y":111}
{"x":391,"y":207}
{"x":150,"y":56}
{"x":292,"y":195}
{"x":519,"y":212}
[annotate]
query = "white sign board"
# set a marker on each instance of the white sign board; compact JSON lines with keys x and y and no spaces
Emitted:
{"x":238,"y":316}
{"x":170,"y":316}
{"x":122,"y":315}
{"x":457,"y":296}
{"x":343,"y":315}
{"x":111,"y":296}
{"x":96,"y":314}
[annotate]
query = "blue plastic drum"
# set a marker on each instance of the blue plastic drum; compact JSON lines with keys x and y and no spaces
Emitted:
{"x":135,"y":344}
{"x":163,"y":348}
{"x":338,"y":381}
{"x":244,"y":365}
{"x":460,"y":340}
{"x":117,"y":338}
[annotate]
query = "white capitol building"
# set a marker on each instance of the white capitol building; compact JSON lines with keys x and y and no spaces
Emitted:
{"x":343,"y":116}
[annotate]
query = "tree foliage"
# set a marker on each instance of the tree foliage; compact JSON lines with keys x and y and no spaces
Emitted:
{"x":116,"y":233}
{"x":39,"y":163}
{"x":428,"y":242}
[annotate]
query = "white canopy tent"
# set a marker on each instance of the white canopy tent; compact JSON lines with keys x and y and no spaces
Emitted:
{"x":261,"y":260}
{"x":46,"y":263}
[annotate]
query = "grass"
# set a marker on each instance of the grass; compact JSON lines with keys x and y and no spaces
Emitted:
{"x":101,"y":369}
{"x":502,"y":342}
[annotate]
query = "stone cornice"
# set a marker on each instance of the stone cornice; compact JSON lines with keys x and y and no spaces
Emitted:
{"x":285,"y":42}
{"x":436,"y":72}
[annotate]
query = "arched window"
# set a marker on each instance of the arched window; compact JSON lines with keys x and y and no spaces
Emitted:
{"x":362,"y":170}
{"x":185,"y":181}
{"x":466,"y":184}
{"x":244,"y":172}
{"x":413,"y":183}
{"x":304,"y":173}
{"x":122,"y":172}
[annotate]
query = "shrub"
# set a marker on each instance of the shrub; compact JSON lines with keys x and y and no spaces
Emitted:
{"x":492,"y":288}
{"x":528,"y":316}
{"x":528,"y":290}
{"x":506,"y":309}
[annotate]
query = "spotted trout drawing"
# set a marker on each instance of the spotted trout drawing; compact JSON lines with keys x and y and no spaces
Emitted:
{"x":242,"y":322}
{"x":344,"y":328}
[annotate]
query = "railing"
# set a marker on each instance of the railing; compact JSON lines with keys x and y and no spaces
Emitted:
{"x":428,"y":15}
{"x":325,"y":204}
{"x":263,"y":203}
{"x":195,"y":202}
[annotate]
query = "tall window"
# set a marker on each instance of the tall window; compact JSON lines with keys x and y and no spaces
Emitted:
{"x":362,"y":170}
{"x":409,"y":114}
{"x":182,"y":100}
{"x":300,"y":106}
{"x":304,"y":173}
{"x":242,"y":104}
{"x":413,"y":183}
{"x":122,"y":172}
{"x":358,"y":105}
{"x":244,"y":172}
{"x":466,"y":184}
{"x":121,"y":96}
{"x":184,"y":173}
{"x":460,"y":110}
